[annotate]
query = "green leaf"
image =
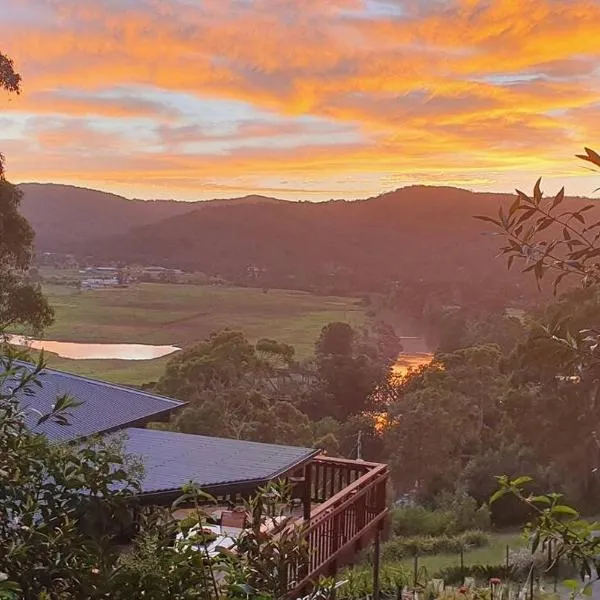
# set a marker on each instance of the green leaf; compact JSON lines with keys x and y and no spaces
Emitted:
{"x":540,"y":500}
{"x":521,"y":480}
{"x":563,"y":509}
{"x":497,"y":495}
{"x":587,"y":589}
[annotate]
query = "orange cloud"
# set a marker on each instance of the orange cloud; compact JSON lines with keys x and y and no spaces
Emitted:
{"x":476,"y":88}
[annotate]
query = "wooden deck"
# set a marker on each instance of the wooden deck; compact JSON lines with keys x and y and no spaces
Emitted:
{"x":352,"y":505}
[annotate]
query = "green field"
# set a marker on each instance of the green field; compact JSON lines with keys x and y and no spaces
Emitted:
{"x":492,"y":554}
{"x":180,"y":315}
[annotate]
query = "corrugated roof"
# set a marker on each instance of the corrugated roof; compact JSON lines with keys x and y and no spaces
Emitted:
{"x":105,"y":407}
{"x":173,"y":459}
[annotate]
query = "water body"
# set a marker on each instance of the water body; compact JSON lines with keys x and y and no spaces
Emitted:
{"x":84,"y":351}
{"x":415,"y":354}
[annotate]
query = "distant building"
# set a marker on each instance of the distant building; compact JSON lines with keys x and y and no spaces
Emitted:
{"x":96,"y":283}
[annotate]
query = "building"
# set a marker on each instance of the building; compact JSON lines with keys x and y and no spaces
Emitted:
{"x":344,"y":502}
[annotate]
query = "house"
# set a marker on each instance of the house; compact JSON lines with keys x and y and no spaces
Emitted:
{"x":344,"y":502}
{"x":96,"y":283}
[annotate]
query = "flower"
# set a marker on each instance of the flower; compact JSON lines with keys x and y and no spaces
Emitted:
{"x":463,"y":589}
{"x":495,"y":581}
{"x":95,"y":571}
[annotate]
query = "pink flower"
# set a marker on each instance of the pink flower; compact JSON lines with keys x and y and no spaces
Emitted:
{"x":463,"y":589}
{"x":495,"y":581}
{"x":95,"y":571}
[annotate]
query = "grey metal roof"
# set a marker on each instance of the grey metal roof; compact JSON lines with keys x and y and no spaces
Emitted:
{"x":173,"y":459}
{"x":106,"y":407}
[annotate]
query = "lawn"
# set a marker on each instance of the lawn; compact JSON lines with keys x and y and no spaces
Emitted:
{"x":180,"y":315}
{"x":493,"y":554}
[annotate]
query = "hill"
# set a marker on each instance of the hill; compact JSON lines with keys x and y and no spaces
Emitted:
{"x":410,"y":234}
{"x":66,"y":217}
{"x":417,"y":235}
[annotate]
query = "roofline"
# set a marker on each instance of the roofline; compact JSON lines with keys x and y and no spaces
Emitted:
{"x":137,"y":423}
{"x":229,"y":487}
{"x":176,"y":403}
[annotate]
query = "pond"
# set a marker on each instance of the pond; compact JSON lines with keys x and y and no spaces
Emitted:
{"x":84,"y":351}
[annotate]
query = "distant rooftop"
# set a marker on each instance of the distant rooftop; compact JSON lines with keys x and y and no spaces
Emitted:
{"x":173,"y":459}
{"x":106,"y":407}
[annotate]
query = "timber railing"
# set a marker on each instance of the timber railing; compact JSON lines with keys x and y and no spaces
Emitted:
{"x":354,"y":505}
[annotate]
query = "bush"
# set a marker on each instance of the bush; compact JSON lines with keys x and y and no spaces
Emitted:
{"x":455,"y":514}
{"x":454,"y":575}
{"x":401,"y":547}
{"x":359,"y":582}
{"x":418,"y":520}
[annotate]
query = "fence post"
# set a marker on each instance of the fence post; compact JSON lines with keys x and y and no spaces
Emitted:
{"x":507,"y":556}
{"x":377,"y":551}
{"x":415,"y":570}
{"x":462,"y":565}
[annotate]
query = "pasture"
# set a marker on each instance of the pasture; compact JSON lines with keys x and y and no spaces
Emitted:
{"x":181,"y":315}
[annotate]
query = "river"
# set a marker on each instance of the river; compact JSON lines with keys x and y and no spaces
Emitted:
{"x":414,"y":355}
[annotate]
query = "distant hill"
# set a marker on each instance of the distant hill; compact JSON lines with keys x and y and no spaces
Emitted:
{"x":410,"y":234}
{"x":66,"y":217}
{"x":415,"y":234}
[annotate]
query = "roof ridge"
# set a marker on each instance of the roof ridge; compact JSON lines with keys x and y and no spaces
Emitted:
{"x":218,"y":437}
{"x":116,"y":386}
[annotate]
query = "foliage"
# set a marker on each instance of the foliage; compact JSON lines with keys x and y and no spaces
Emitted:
{"x":454,"y":518}
{"x":58,"y":502}
{"x":402,"y":547}
{"x":349,"y":371}
{"x":556,"y":529}
{"x":358,"y":582}
{"x":456,"y":574}
{"x":443,"y":417}
{"x":21,"y":301}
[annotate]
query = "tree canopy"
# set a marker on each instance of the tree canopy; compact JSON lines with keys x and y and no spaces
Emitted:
{"x":21,"y":300}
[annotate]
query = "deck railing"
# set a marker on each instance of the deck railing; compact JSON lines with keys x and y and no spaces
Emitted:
{"x":354,"y":504}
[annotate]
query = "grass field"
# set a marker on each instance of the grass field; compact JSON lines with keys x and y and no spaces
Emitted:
{"x":493,"y":554}
{"x":181,"y":315}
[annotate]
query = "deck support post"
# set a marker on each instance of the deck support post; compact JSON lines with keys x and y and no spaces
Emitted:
{"x":376,"y":558}
{"x":307,"y":495}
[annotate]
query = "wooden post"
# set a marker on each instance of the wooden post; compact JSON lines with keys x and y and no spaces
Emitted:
{"x":307,"y":496}
{"x":415,"y":570}
{"x":376,"y":557}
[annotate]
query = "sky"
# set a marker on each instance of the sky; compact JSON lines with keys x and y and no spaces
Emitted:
{"x":301,"y":99}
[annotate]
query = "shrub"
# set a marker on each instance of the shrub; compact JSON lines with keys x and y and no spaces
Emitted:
{"x":455,"y":513}
{"x":358,"y":582}
{"x":418,"y":520}
{"x":455,"y":574}
{"x":401,"y":547}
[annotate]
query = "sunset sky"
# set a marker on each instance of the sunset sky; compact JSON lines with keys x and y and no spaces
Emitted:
{"x":301,"y":99}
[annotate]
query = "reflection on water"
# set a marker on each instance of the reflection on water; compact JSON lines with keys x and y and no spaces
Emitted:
{"x":410,"y":361}
{"x":82,"y":351}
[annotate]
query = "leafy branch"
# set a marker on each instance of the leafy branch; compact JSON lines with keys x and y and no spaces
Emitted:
{"x":557,"y":529}
{"x":575,"y":248}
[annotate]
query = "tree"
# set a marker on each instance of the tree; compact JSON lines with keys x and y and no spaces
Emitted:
{"x":336,"y":339}
{"x":10,"y":81}
{"x":445,"y":415}
{"x":21,"y":301}
{"x":349,"y":369}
